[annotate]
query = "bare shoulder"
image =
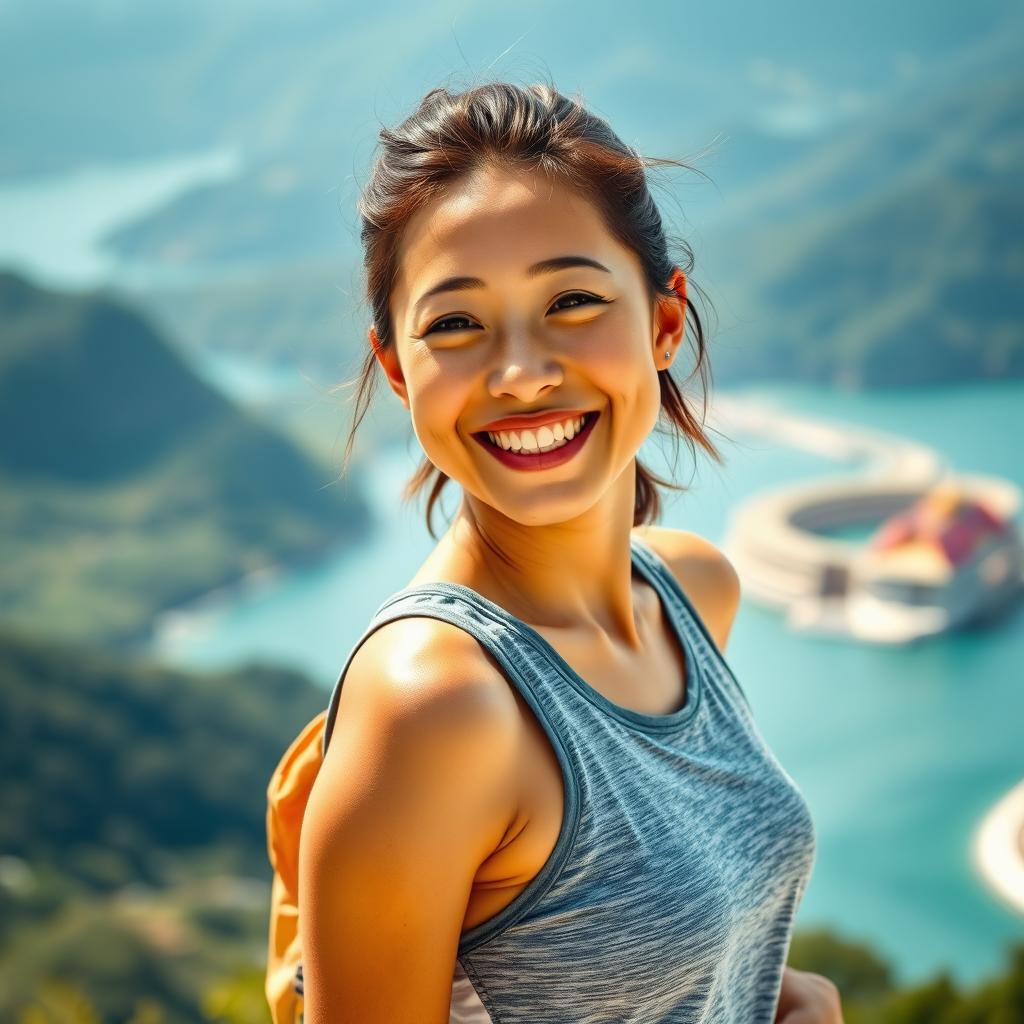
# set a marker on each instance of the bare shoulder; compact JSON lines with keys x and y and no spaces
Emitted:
{"x":703,"y":571}
{"x":429,"y":687}
{"x":415,"y":791}
{"x":423,"y":697}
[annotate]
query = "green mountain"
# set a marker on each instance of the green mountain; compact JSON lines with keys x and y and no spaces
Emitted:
{"x":132,"y":822}
{"x":112,"y":765}
{"x":887,"y":253}
{"x":893,"y":257}
{"x":128,"y":484}
{"x":273,"y":214}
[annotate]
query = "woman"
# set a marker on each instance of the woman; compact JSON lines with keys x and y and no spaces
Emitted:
{"x":544,"y":797}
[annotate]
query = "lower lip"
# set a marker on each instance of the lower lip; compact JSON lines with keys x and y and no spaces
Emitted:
{"x":546,"y":460}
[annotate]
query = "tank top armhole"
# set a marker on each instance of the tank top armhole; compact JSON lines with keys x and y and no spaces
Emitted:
{"x":482,"y":933}
{"x":659,"y":565}
{"x":408,"y":603}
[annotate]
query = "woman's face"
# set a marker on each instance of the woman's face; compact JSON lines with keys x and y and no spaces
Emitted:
{"x":573,"y":337}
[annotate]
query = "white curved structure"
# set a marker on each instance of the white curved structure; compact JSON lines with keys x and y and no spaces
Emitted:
{"x":829,"y":584}
{"x":997,"y":849}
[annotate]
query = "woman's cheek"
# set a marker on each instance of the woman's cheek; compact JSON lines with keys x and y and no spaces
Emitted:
{"x":436,"y":413}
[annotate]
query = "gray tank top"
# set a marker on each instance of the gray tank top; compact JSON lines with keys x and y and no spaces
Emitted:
{"x":684,"y":850}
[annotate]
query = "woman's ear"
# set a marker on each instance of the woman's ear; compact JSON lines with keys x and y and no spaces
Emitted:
{"x":677,"y":282}
{"x":670,"y":320}
{"x":388,"y":359}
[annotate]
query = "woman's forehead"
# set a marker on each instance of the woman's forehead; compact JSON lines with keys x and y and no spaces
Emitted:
{"x":505,"y":228}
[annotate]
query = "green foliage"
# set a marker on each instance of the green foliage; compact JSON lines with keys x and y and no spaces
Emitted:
{"x":236,"y":995}
{"x":59,"y":1002}
{"x":89,"y":964}
{"x":238,"y":999}
{"x":132,"y":816}
{"x":854,"y":967}
{"x":870,"y":996}
{"x":129,"y":485}
{"x":110,"y":763}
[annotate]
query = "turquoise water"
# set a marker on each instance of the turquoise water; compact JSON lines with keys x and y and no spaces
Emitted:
{"x":53,"y":225}
{"x":855,"y":533}
{"x":898,"y":751}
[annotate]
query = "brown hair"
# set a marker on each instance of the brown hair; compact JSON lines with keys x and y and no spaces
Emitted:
{"x":450,"y":135}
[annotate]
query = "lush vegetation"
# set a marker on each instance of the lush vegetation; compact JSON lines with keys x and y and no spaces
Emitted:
{"x":128,"y":484}
{"x":132,"y":804}
{"x":871,"y":995}
{"x":891,"y":256}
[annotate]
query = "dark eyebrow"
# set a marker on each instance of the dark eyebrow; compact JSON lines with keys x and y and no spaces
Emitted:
{"x":549,"y":266}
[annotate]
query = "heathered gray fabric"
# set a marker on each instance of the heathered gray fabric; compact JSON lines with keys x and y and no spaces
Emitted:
{"x":684,"y":851}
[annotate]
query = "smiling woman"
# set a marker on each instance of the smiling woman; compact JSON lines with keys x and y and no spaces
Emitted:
{"x":442,"y":159}
{"x":523,"y":322}
{"x":540,"y":795}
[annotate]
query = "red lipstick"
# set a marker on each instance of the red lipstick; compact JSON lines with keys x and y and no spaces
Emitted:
{"x":543,"y":460}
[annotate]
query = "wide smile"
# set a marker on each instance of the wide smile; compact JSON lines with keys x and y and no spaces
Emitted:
{"x":542,"y":460}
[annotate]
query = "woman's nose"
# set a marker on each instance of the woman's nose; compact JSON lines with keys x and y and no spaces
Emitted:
{"x":524,"y":369}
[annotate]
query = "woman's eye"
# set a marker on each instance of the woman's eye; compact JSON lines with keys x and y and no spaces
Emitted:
{"x":444,"y":320}
{"x":586,"y":296}
{"x":578,"y":295}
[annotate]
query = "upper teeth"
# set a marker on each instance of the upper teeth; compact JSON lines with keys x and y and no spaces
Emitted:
{"x":538,"y":440}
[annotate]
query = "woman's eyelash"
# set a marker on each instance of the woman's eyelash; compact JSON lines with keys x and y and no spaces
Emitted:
{"x":583,"y":295}
{"x":569,"y":295}
{"x":435,"y":328}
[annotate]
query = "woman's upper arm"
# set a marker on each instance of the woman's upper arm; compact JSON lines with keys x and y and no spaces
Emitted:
{"x":415,"y":792}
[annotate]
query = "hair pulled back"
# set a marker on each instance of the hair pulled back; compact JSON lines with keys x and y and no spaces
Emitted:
{"x":448,"y":137}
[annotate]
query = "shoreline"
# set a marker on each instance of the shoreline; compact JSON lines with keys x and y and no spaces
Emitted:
{"x":997,"y":848}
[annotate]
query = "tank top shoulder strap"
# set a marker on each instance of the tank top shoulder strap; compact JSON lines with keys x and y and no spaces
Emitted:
{"x":692,"y":618}
{"x":450,"y":603}
{"x":501,"y":635}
